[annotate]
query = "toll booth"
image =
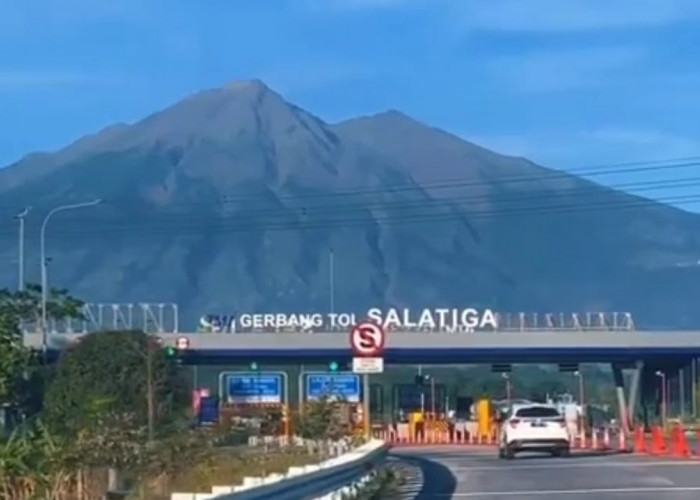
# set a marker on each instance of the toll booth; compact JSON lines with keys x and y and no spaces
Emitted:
{"x":486,"y":419}
{"x":410,"y":398}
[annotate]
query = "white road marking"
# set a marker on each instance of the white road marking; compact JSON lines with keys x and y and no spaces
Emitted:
{"x":574,"y":465}
{"x":411,"y":476}
{"x":591,"y":491}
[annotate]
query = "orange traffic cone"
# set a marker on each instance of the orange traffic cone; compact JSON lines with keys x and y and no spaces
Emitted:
{"x":640,"y":442}
{"x":658,"y":441}
{"x":622,"y":440}
{"x":680,"y":446}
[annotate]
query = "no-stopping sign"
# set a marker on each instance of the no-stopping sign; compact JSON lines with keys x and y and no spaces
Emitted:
{"x":367,"y":340}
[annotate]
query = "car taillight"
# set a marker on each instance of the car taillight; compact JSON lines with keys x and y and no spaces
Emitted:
{"x":514,"y":422}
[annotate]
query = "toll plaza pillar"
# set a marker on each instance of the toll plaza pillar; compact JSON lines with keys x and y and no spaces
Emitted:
{"x":635,"y":389}
{"x":620,"y":390}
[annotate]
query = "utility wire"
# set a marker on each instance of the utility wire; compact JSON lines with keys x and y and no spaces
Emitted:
{"x":598,"y":171}
{"x":227,"y":225}
{"x":423,"y":203}
{"x":591,"y":171}
{"x":184,"y":222}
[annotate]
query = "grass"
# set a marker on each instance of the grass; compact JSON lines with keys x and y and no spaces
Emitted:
{"x":229,"y":467}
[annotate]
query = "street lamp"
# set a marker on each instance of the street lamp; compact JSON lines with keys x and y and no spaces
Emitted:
{"x":662,"y":375}
{"x":579,"y":375}
{"x":582,"y":417}
{"x":44,"y":278}
{"x":20,"y":217}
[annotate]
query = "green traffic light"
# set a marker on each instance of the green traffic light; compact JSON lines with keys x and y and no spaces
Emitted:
{"x":170,"y":351}
{"x":254,"y":366}
{"x":333,"y":366}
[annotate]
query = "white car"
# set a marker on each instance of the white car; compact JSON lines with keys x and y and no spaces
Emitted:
{"x":533,"y":427}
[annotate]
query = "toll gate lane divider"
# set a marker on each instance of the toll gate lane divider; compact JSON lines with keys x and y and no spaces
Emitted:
{"x":596,"y":440}
{"x":671,"y":443}
{"x":334,"y":478}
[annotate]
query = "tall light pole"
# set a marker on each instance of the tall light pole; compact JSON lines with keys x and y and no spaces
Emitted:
{"x":694,"y":386}
{"x":20,"y":217}
{"x":331,"y":278}
{"x":44,"y":277}
{"x":581,"y":396}
{"x":662,"y":375}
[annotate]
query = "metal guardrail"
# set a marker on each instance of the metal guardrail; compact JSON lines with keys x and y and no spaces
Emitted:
{"x":314,"y":484}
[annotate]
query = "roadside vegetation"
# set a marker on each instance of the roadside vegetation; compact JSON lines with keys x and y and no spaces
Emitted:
{"x":114,"y":414}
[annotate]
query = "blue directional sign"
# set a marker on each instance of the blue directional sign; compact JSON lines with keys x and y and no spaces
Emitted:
{"x":208,"y":411}
{"x":253,"y":388}
{"x":333,"y":386}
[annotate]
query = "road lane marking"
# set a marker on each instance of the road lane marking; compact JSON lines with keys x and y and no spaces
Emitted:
{"x":590,"y":491}
{"x":573,"y":465}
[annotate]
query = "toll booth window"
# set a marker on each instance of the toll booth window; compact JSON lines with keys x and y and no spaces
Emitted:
{"x":537,"y":412}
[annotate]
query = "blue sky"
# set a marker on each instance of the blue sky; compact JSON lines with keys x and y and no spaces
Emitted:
{"x":567,"y":83}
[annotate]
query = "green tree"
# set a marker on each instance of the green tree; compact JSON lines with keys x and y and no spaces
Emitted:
{"x":125,"y":372}
{"x":26,"y":305}
{"x":20,"y":381}
{"x":322,"y":419}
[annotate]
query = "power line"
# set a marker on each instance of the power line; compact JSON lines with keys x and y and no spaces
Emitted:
{"x":174,"y":222}
{"x":617,"y":169}
{"x":591,"y":171}
{"x":424,"y":203}
{"x":226,"y":225}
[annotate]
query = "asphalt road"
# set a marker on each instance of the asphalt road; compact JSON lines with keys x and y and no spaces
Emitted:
{"x":477,"y":473}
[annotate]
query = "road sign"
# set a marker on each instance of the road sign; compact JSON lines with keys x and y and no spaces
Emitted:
{"x":253,"y":388}
{"x":367,"y":340}
{"x":209,"y":411}
{"x":345,"y":386}
{"x":367,"y":365}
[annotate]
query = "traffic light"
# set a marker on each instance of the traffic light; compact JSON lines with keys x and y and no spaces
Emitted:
{"x":174,"y":354}
{"x":333,"y":366}
{"x":254,"y":366}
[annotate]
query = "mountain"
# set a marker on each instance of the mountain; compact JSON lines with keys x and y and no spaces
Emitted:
{"x":234,"y":199}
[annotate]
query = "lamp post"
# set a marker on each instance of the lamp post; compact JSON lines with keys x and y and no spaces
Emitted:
{"x":662,"y":375}
{"x":581,"y":394}
{"x":331,"y":278}
{"x":44,"y":277}
{"x":20,"y":217}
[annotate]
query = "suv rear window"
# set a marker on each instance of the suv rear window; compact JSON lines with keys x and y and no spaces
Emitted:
{"x":537,"y":412}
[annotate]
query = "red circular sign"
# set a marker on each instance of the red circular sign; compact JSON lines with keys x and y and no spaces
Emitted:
{"x":182,"y":343}
{"x":367,"y":339}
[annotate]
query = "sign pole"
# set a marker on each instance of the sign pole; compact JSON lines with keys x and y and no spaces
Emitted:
{"x":367,"y":341}
{"x":367,"y":420}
